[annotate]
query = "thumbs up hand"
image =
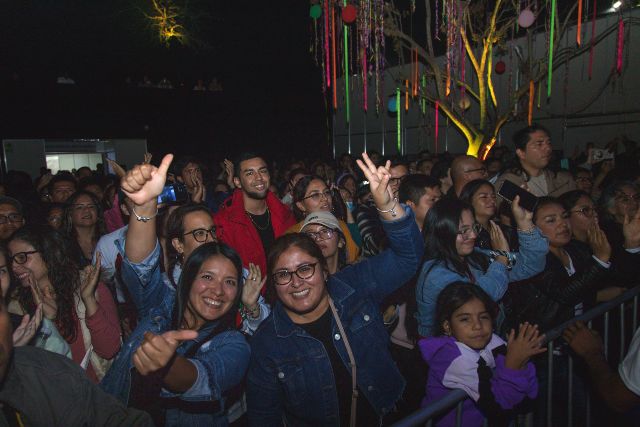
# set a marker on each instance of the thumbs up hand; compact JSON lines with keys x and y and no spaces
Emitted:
{"x":145,"y":182}
{"x":156,"y":351}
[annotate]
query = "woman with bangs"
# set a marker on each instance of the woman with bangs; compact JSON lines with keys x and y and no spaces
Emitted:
{"x":186,"y":351}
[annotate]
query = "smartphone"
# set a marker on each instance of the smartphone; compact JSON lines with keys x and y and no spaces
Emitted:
{"x":509,"y":191}
{"x":175,"y":192}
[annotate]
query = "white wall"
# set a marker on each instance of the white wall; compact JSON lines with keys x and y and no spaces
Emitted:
{"x":615,"y":110}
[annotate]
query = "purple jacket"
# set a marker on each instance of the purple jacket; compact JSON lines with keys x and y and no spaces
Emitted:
{"x":453,"y":365}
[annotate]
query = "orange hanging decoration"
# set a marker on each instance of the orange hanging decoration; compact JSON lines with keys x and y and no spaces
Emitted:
{"x":532,"y":93}
{"x":579,"y":29}
{"x":406,"y":95}
{"x":415,"y":75}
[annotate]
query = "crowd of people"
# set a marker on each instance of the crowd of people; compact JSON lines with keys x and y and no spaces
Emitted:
{"x":314,"y":293}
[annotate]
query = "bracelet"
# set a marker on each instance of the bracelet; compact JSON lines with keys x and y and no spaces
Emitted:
{"x":511,"y":258}
{"x":529,"y":231}
{"x":144,"y":218}
{"x":250,"y":313}
{"x":392,"y":211}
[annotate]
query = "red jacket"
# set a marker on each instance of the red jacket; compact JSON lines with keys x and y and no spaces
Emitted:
{"x":234,"y":227}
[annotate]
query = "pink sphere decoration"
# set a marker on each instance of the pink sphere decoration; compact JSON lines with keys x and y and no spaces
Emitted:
{"x":526,"y":18}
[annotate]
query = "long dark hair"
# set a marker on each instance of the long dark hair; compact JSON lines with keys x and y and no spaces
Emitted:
{"x":190,"y":270}
{"x":67,"y":223}
{"x":175,"y":230}
{"x":440,"y":233}
{"x":55,"y":250}
{"x":454,"y":296}
{"x":283,"y":243}
{"x":12,"y":279}
{"x":471,"y":188}
{"x":300,"y":190}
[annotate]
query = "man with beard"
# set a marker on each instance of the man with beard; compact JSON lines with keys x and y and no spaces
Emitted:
{"x":253,"y":217}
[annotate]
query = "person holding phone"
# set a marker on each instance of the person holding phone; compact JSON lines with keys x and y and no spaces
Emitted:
{"x":450,"y":232}
{"x":534,"y":152}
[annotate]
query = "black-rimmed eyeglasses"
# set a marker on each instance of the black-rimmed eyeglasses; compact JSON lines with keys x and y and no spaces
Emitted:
{"x":12,"y":217}
{"x":284,"y":277}
{"x":21,"y":257}
{"x":201,"y":234}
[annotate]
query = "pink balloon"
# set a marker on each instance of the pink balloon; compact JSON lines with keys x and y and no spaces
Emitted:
{"x":526,"y":18}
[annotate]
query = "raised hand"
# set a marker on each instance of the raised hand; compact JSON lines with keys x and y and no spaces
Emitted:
{"x":251,"y":288}
{"x":526,"y":344}
{"x":145,"y":182}
{"x":523,"y":217}
{"x":27,"y":329}
{"x":598,"y":242}
{"x":498,"y":240}
{"x":198,"y":194}
{"x":147,"y":158}
{"x":631,"y":230}
{"x":229,"y":171}
{"x":156,"y":351}
{"x":378,"y":178}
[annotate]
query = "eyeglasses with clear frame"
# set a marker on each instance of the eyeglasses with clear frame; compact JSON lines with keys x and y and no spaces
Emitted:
{"x":21,"y":257}
{"x":284,"y":277}
{"x":316,"y":197}
{"x":466,"y":231}
{"x":320,"y":235}
{"x":201,"y":234}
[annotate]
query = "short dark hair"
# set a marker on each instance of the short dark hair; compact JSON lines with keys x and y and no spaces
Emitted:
{"x":245,"y":155}
{"x":545,"y":201}
{"x":522,"y":136}
{"x":181,"y":162}
{"x":579,"y":169}
{"x":88,"y":181}
{"x":441,"y":168}
{"x":61,"y":177}
{"x":570,"y":198}
{"x":454,"y":296}
{"x":413,"y":187}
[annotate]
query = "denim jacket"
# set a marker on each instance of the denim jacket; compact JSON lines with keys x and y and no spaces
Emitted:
{"x":290,"y":375}
{"x":221,"y":362}
{"x":435,"y":276}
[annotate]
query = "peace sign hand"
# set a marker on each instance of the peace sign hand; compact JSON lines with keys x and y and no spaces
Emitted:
{"x":379,"y":185}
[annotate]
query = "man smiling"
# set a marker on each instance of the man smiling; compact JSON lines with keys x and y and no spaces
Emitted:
{"x":253,"y":217}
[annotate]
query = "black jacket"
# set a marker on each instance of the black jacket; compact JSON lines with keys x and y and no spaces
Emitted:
{"x":549,"y":298}
{"x":50,"y":390}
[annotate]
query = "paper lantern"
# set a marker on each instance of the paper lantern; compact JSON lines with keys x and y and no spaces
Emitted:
{"x":500,"y":67}
{"x":391,"y":105}
{"x":349,"y":14}
{"x":464,"y":103}
{"x":315,"y":11}
{"x":526,"y":18}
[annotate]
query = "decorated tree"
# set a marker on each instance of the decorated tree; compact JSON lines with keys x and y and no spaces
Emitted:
{"x":452,"y":69}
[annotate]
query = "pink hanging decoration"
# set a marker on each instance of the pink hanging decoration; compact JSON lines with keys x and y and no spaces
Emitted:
{"x":365,"y":78}
{"x":437,"y":113}
{"x":326,"y":40}
{"x":620,"y":45}
{"x":593,"y":37}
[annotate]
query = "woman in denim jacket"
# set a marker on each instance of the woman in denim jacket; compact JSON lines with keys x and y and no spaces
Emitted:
{"x":322,"y":357}
{"x":186,"y":351}
{"x":450,"y":235}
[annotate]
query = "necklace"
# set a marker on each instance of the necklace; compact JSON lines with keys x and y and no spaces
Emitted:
{"x":255,"y":224}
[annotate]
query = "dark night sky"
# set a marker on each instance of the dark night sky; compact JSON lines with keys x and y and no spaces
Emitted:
{"x":259,"y":50}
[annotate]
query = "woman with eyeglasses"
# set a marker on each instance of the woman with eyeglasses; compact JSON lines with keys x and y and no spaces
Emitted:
{"x":186,"y":351}
{"x":481,"y":195}
{"x":322,"y":358}
{"x":84,"y":223}
{"x":311,"y":194}
{"x":618,"y":214}
{"x":324,"y":229}
{"x":450,"y":235}
{"x":81,"y":307}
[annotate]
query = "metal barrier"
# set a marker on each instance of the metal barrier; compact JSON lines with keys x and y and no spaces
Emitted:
{"x":456,"y":397}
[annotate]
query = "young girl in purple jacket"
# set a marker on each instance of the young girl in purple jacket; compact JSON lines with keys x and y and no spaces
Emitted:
{"x":466,"y":354}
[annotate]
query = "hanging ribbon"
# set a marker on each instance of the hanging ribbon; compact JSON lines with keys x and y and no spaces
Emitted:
{"x":532,"y":95}
{"x":345,"y":54}
{"x":553,"y":27}
{"x":620,"y":45}
{"x":437,"y":113}
{"x":424,"y":94}
{"x":415,"y":75}
{"x":406,"y":95}
{"x":365,"y":79}
{"x":593,"y":37}
{"x":326,"y":40}
{"x":579,"y":29}
{"x":333,"y":54}
{"x":399,"y":113}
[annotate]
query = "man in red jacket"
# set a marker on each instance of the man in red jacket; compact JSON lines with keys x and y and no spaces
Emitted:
{"x":253,"y":217}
